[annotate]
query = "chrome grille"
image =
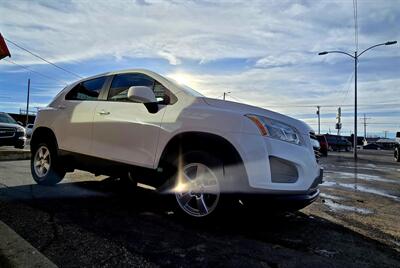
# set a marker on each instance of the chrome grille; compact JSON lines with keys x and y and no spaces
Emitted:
{"x":7,"y":132}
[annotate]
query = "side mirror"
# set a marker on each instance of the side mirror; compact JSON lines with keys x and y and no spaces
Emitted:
{"x":141,"y":94}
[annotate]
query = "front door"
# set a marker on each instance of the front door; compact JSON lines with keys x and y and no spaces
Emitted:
{"x":123,"y":130}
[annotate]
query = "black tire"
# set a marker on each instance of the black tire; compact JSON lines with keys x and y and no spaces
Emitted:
{"x":129,"y":181}
{"x":397,"y":154}
{"x":187,"y":163}
{"x":55,"y":171}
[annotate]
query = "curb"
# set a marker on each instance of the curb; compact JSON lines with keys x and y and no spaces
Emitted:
{"x":17,"y":252}
{"x":10,"y":155}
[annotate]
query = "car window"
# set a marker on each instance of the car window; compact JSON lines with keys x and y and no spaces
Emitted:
{"x":163,"y":95}
{"x":87,"y":90}
{"x":122,"y":82}
{"x":5,"y":118}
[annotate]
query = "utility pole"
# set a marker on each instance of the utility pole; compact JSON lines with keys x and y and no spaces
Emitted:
{"x":386,"y":132}
{"x":27,"y":102}
{"x":225,"y":93}
{"x":339,"y":120}
{"x":365,"y":126}
{"x":319,"y":119}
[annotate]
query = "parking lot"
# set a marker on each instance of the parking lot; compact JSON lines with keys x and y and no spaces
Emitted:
{"x":100,"y":221}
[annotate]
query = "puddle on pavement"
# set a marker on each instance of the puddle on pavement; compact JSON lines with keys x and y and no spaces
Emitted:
{"x":332,"y":197}
{"x":349,"y":175}
{"x":373,"y":167}
{"x":334,"y":206}
{"x":360,"y":188}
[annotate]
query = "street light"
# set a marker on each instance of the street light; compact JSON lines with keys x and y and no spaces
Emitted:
{"x":225,"y":93}
{"x":355,"y":57}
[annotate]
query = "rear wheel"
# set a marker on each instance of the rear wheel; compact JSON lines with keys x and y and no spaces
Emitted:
{"x":397,"y":154}
{"x":45,"y":167}
{"x":197,"y":184}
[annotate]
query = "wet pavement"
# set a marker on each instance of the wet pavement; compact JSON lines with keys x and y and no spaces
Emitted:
{"x":89,"y":221}
{"x":363,"y":195}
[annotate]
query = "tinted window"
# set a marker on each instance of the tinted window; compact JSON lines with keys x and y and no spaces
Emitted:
{"x":5,"y":118}
{"x":331,"y":139}
{"x":88,"y":90}
{"x":122,"y":82}
{"x":163,"y":95}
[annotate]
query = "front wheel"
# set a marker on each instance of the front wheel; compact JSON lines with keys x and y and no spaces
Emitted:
{"x":197,"y":183}
{"x":397,"y":154}
{"x":45,"y":168}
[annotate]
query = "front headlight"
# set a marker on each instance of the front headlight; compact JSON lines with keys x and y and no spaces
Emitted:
{"x":20,"y":129}
{"x":275,"y":129}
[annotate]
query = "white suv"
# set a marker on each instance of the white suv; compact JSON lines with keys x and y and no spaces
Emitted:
{"x":141,"y":125}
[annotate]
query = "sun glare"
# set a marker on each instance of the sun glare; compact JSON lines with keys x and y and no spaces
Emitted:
{"x":182,"y":78}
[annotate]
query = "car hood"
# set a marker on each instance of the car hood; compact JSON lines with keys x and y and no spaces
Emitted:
{"x":249,"y":109}
{"x":9,"y":125}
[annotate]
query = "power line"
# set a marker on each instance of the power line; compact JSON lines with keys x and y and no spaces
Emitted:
{"x":43,"y":59}
{"x":33,"y":71}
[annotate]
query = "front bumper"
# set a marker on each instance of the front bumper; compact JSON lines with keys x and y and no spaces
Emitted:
{"x":287,"y":202}
{"x":18,"y":140}
{"x":259,"y":155}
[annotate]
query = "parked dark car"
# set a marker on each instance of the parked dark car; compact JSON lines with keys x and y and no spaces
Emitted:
{"x":11,"y":133}
{"x":397,"y":148}
{"x":338,"y":143}
{"x":323,"y":145}
{"x":372,"y":146}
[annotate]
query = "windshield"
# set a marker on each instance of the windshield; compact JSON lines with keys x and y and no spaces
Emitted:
{"x":5,"y":118}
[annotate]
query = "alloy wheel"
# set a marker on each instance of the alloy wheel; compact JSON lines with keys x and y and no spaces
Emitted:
{"x":198,"y":190}
{"x":42,"y":161}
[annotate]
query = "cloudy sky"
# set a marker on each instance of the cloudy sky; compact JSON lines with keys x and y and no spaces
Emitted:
{"x":263,"y":52}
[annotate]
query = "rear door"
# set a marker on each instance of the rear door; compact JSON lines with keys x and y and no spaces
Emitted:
{"x":126,"y":131}
{"x":74,"y":124}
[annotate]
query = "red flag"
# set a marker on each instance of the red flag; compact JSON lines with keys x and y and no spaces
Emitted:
{"x":4,"y":52}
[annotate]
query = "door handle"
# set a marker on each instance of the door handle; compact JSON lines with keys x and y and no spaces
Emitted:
{"x":104,"y":113}
{"x":61,"y":107}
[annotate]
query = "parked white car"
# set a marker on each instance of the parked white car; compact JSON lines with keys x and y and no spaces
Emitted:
{"x":169,"y":136}
{"x":29,"y":128}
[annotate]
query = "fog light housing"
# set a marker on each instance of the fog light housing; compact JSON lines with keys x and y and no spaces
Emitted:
{"x":282,"y":171}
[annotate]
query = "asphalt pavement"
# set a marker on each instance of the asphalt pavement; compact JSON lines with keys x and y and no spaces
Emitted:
{"x":89,"y":221}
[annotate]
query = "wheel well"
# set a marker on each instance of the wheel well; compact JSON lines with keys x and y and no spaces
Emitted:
{"x":43,"y":134}
{"x":211,"y":143}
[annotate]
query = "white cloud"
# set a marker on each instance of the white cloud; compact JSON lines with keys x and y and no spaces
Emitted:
{"x":170,"y":57}
{"x":86,"y":29}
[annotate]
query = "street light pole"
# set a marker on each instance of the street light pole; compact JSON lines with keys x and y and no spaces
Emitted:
{"x":355,"y":57}
{"x":225,"y":93}
{"x":27,"y":102}
{"x":319,"y":119}
{"x":355,"y":105}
